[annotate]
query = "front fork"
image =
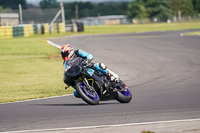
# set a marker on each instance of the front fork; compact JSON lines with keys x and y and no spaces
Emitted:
{"x":89,"y":87}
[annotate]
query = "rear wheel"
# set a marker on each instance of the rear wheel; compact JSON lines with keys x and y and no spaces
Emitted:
{"x":124,"y":94}
{"x":90,"y":97}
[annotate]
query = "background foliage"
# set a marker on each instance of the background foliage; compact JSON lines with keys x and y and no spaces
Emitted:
{"x":162,"y":9}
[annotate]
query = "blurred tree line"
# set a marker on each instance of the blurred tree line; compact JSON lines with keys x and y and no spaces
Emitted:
{"x":7,"y":6}
{"x":88,"y":9}
{"x":13,"y":4}
{"x":162,"y":9}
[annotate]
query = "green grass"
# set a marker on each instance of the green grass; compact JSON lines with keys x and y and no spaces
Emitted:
{"x":147,"y":132}
{"x":141,"y":27}
{"x":31,"y":68}
{"x":192,"y":33}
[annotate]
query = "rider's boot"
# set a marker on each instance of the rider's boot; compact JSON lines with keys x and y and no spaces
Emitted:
{"x":112,"y":77}
{"x":76,"y":94}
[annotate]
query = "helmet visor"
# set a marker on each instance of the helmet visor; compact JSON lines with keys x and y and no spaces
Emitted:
{"x":65,"y":54}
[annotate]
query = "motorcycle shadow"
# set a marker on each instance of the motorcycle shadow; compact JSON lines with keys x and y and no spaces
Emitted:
{"x":78,"y":104}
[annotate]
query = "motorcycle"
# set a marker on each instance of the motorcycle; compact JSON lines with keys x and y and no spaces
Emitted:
{"x":92,"y":86}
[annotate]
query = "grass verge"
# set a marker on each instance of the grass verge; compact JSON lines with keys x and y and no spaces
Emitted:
{"x":141,"y":27}
{"x":30,"y":68}
{"x":192,"y":34}
{"x":147,"y":132}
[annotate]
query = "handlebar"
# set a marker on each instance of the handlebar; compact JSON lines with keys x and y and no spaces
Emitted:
{"x":87,"y":62}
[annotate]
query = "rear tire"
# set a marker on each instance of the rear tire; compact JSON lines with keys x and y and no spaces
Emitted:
{"x":81,"y":90}
{"x":124,"y":96}
{"x":124,"y":99}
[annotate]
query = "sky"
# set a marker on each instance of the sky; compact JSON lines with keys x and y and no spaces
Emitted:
{"x":38,"y":1}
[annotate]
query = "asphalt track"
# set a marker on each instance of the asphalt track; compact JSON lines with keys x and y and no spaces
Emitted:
{"x":162,"y":69}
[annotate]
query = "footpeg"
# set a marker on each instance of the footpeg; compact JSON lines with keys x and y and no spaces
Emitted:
{"x":67,"y":87}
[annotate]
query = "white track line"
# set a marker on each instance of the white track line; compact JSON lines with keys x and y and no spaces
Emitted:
{"x":104,"y":126}
{"x":53,"y":44}
{"x":37,"y":99}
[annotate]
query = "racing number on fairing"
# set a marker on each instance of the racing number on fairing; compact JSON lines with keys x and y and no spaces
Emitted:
{"x":90,"y":71}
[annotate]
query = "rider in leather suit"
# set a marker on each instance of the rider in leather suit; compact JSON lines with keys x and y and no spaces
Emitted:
{"x":67,"y":52}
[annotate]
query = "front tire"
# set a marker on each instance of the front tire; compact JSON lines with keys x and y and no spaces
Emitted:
{"x":86,"y":94}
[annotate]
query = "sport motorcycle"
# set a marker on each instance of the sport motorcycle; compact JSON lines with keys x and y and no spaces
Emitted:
{"x":93,"y":86}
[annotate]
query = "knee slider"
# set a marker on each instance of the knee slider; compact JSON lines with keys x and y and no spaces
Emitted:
{"x":102,"y":66}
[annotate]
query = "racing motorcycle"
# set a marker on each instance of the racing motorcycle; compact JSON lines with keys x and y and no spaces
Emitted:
{"x":92,"y":86}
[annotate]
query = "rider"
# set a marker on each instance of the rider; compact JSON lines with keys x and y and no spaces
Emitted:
{"x":67,"y":52}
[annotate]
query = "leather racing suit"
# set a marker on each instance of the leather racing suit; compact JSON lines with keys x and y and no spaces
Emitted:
{"x":80,"y":53}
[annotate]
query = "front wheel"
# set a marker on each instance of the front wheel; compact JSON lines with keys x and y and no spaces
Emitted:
{"x":90,"y":97}
{"x":124,"y":94}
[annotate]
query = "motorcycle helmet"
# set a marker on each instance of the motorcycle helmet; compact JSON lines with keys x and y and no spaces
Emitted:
{"x":67,"y":51}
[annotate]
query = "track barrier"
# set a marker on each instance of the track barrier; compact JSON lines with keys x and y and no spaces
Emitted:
{"x":29,"y":30}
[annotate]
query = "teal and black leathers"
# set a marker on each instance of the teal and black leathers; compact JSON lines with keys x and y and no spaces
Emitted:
{"x":84,"y":54}
{"x":80,"y":53}
{"x":67,"y":63}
